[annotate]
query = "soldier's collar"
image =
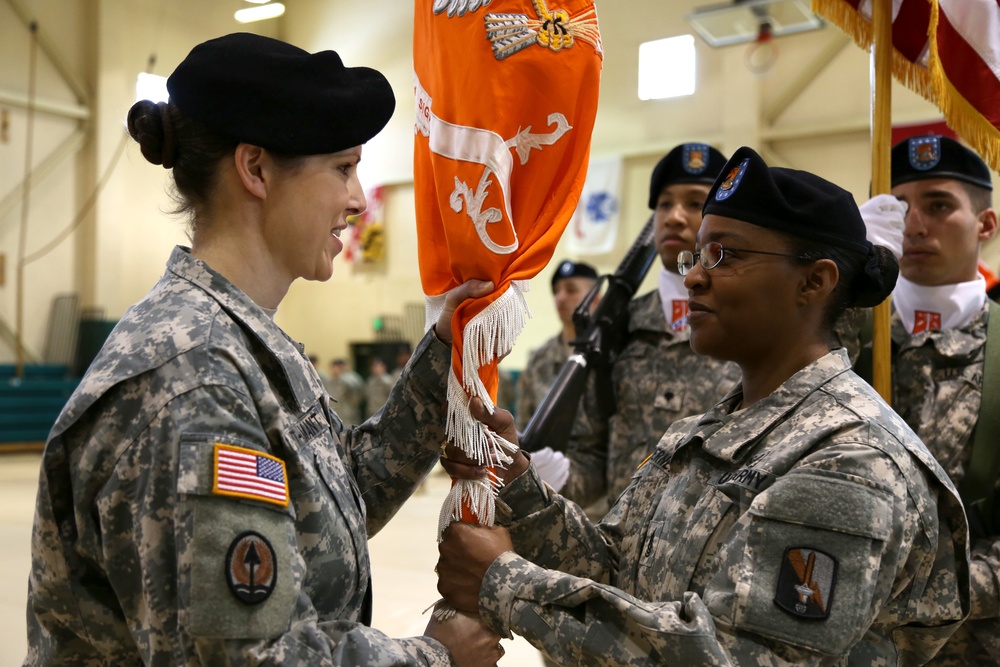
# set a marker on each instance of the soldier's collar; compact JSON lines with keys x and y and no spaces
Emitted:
{"x":741,"y":431}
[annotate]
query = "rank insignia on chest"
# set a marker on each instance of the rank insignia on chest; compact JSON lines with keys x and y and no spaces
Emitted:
{"x":247,"y":473}
{"x":251,"y":568}
{"x":806,"y":582}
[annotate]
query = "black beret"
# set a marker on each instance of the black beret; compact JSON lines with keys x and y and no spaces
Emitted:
{"x":265,"y":92}
{"x":570,"y":269}
{"x":920,"y":158}
{"x":687,"y":163}
{"x":788,"y":200}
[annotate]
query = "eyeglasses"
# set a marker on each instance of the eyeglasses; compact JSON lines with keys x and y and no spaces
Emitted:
{"x":711,"y":254}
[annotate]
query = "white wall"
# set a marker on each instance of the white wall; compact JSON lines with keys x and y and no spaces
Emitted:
{"x":119,"y":250}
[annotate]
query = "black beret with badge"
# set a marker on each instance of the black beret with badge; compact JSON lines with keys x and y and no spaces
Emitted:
{"x":802,"y":204}
{"x":570,"y":269}
{"x":933,"y":156}
{"x":789,"y":200}
{"x":687,"y":163}
{"x":268,"y":93}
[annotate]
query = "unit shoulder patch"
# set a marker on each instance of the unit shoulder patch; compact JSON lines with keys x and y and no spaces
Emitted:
{"x":806,"y":583}
{"x":251,"y":568}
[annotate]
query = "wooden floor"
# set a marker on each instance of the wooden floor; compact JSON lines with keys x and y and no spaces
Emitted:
{"x":403,"y":558}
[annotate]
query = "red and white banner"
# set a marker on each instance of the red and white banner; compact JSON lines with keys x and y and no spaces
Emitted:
{"x":946,"y":50}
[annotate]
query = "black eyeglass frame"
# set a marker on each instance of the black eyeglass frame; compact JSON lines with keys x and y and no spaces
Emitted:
{"x":686,"y":258}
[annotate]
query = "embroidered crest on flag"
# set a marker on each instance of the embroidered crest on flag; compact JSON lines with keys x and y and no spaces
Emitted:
{"x":552,"y":28}
{"x":925,"y":152}
{"x":247,"y":473}
{"x":806,"y":582}
{"x":251,"y":568}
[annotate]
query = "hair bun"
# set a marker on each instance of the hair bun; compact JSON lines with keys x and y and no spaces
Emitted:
{"x":151,"y":125}
{"x":878,"y":279}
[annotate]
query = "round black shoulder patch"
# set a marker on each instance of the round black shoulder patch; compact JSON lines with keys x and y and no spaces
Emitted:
{"x":251,"y":568}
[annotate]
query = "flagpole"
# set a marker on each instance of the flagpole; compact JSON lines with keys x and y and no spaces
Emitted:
{"x":881,"y":133}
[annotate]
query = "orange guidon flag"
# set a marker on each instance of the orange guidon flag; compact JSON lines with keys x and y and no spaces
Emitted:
{"x":506,"y":96}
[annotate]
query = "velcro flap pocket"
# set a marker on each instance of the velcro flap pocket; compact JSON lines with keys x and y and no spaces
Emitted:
{"x":827,"y":502}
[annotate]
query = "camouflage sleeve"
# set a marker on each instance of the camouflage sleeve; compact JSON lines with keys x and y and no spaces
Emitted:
{"x":168,"y":553}
{"x":570,"y":541}
{"x":392,"y":452}
{"x":587,"y":623}
{"x":985,"y":576}
{"x":587,"y":451}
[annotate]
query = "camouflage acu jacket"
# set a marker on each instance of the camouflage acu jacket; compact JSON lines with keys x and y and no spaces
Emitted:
{"x":200,"y":504}
{"x":811,"y":528}
{"x":656,"y":380}
{"x":937,"y":386}
{"x":537,"y":377}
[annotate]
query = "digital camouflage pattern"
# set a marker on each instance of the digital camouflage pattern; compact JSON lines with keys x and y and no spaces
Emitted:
{"x":937,"y":383}
{"x":542,"y":369}
{"x":686,"y":567}
{"x":656,"y":380}
{"x":130,"y":544}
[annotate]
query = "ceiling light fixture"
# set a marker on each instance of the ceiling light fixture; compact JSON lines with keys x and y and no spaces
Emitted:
{"x":260,"y":13}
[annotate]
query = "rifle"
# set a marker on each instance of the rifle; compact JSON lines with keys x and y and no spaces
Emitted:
{"x":600,"y":336}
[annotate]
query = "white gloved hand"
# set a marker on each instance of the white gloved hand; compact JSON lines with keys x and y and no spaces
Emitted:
{"x":552,"y":467}
{"x":884,"y":217}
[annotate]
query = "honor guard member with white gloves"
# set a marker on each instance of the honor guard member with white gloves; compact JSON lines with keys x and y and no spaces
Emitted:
{"x":936,"y":220}
{"x":656,"y":379}
{"x":199,"y":502}
{"x":799,"y":522}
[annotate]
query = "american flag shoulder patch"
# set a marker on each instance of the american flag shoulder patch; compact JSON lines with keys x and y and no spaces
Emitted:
{"x":247,"y":473}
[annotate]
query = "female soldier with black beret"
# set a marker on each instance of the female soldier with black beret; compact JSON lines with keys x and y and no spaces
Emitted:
{"x":199,"y":501}
{"x":800,"y":521}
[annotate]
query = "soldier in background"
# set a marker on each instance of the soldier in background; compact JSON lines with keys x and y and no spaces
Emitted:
{"x":571,"y":281}
{"x":657,"y":378}
{"x":348,"y":389}
{"x":938,"y":216}
{"x":377,"y":386}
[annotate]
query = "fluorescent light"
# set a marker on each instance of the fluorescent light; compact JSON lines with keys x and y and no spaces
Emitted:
{"x":666,"y":68}
{"x":260,"y":13}
{"x":258,"y":2}
{"x":151,"y":87}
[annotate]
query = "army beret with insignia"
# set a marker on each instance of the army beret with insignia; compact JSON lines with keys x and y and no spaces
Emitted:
{"x":687,"y":163}
{"x":932,"y":156}
{"x":268,"y":93}
{"x":570,"y":269}
{"x":806,"y":206}
{"x":795,"y":202}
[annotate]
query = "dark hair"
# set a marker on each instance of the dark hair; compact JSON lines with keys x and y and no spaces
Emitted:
{"x":865,"y":280}
{"x":979,"y":197}
{"x":169,"y":138}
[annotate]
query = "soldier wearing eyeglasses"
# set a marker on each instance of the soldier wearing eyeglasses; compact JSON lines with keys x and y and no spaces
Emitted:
{"x":800,"y":521}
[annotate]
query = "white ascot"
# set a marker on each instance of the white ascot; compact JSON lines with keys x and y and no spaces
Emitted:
{"x":674,"y":297}
{"x":940,"y":307}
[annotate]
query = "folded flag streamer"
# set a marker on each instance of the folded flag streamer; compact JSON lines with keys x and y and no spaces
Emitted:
{"x":506,"y":96}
